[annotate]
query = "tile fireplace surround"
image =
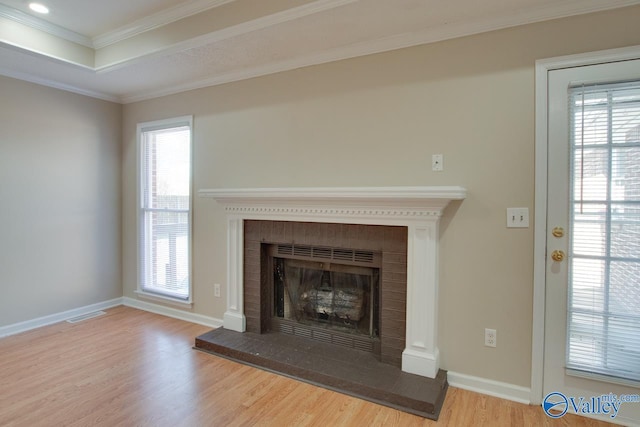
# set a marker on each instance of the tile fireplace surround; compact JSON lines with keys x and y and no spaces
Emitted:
{"x":416,"y":208}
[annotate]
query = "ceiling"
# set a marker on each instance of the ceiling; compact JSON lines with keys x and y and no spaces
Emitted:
{"x":130,"y":50}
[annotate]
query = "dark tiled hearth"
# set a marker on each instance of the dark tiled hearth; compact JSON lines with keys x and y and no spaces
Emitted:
{"x":352,"y":372}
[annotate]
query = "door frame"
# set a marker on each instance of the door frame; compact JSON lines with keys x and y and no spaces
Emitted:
{"x":542,"y":70}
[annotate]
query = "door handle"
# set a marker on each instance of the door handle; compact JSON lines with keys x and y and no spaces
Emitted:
{"x":557,"y":255}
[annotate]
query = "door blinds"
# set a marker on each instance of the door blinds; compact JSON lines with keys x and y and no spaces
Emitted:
{"x":604,"y":271}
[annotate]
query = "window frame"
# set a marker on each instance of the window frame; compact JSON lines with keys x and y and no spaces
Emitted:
{"x":141,"y":128}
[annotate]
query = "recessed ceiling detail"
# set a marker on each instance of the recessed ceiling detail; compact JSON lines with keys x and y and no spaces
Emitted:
{"x":125,"y":51}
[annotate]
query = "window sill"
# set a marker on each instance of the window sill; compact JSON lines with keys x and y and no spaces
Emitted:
{"x":164,"y":299}
{"x":602,"y":378}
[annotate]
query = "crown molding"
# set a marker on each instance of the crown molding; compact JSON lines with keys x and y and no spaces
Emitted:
{"x":432,"y":35}
{"x":400,"y":41}
{"x":233,"y":31}
{"x":164,"y":17}
{"x":185,"y":10}
{"x":42,"y":25}
{"x":57,"y":85}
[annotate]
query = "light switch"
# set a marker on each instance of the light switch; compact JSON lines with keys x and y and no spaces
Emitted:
{"x":517,"y":217}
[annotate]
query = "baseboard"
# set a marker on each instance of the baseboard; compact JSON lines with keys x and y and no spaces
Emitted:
{"x":28,"y":325}
{"x":172,"y":312}
{"x":490,"y":387}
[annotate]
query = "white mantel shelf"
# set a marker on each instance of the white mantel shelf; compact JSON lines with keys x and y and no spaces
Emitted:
{"x":369,"y":204}
{"x":417,"y":208}
{"x":367,"y":194}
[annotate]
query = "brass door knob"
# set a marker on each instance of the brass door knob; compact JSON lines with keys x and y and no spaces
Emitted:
{"x":557,"y":255}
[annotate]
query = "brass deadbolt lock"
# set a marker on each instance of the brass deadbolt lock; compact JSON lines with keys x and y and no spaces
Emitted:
{"x":558,"y":232}
{"x":557,"y":255}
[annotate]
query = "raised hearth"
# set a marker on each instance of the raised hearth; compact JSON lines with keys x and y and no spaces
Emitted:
{"x":348,"y":371}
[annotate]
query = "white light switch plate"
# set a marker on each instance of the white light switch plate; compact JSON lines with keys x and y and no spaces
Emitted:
{"x":517,"y":217}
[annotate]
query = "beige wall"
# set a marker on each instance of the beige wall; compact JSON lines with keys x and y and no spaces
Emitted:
{"x":376,"y":121}
{"x":59,"y":201}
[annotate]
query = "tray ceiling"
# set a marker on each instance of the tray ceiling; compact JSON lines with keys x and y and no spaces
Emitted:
{"x":125,"y":51}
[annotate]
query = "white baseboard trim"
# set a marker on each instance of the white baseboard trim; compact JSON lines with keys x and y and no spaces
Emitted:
{"x":172,"y":312}
{"x":490,"y":387}
{"x":28,"y":325}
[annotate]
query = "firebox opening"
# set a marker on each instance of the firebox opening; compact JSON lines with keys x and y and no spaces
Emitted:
{"x":326,"y":294}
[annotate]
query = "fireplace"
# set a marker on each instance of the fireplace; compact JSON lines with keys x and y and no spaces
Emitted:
{"x":346,"y":283}
{"x":326,"y":294}
{"x":342,"y":219}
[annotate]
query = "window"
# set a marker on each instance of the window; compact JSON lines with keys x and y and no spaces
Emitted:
{"x":604,"y":294}
{"x":164,"y":221}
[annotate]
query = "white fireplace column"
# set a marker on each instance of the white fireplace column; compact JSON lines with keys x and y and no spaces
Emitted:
{"x":421,"y":355}
{"x":417,"y":208}
{"x":234,"y":318}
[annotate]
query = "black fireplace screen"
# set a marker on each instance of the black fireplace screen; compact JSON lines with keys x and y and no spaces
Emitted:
{"x":335,"y":296}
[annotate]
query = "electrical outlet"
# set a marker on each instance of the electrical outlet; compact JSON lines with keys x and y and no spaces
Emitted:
{"x":490,"y":337}
{"x":216,"y":290}
{"x":437,"y":163}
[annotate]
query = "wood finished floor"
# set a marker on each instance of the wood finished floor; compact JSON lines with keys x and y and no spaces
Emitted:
{"x":134,"y":368}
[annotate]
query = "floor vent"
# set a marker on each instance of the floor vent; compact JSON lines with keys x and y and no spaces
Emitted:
{"x":85,"y":317}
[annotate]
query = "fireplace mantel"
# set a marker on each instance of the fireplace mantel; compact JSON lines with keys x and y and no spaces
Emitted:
{"x":417,"y":208}
{"x":385,"y":203}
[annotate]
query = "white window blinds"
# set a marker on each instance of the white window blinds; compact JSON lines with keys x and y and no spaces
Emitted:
{"x":604,"y":273}
{"x":165,"y":208}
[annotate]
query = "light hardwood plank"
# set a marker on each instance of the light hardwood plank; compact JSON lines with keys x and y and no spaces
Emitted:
{"x":134,"y":368}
